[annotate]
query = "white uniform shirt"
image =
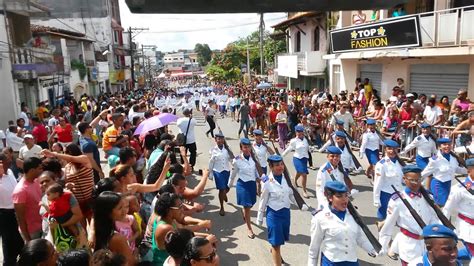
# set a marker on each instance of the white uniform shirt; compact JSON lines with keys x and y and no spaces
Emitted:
{"x":244,"y":169}
{"x":7,"y":185}
{"x":398,"y":214}
{"x":346,"y":158}
{"x":261,"y":152}
{"x":442,"y":169}
{"x":322,"y":177}
{"x":371,"y":141}
{"x":387,"y":173}
{"x":424,"y":147}
{"x":460,"y":201}
{"x":274,"y":195}
{"x":182,"y":125}
{"x":335,"y":238}
{"x":300,"y":146}
{"x":220,"y":159}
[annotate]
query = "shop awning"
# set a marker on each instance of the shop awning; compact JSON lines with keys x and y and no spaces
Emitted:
{"x":255,"y":6}
{"x":182,"y":74}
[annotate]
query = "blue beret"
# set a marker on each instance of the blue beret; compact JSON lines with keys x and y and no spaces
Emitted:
{"x":340,"y":134}
{"x":425,"y":125}
{"x":334,"y":150}
{"x":339,"y":122}
{"x":438,"y":231}
{"x":219,"y":135}
{"x":443,"y":140}
{"x":470,"y":162}
{"x":275,"y":158}
{"x":411,"y":168}
{"x":370,"y":121}
{"x":391,"y":143}
{"x":245,"y":141}
{"x":299,"y":128}
{"x":335,"y":186}
{"x":257,"y":132}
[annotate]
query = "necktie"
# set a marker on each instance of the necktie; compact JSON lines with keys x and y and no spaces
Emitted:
{"x":414,"y":194}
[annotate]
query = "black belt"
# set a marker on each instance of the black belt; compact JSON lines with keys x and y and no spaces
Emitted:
{"x":7,"y":210}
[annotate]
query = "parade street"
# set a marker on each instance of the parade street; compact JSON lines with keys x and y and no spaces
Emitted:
{"x":235,"y":248}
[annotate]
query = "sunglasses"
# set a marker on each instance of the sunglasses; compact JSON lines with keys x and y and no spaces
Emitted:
{"x":209,"y":258}
{"x":414,"y":181}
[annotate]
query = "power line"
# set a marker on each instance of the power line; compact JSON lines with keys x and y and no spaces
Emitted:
{"x":210,"y":29}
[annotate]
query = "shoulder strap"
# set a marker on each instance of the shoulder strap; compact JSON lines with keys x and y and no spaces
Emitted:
{"x":187,"y":129}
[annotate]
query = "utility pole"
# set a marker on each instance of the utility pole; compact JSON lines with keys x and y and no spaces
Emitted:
{"x":130,"y":39}
{"x":248,"y":62}
{"x":262,"y":28}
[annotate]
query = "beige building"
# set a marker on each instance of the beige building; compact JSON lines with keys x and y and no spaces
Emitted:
{"x":442,"y":63}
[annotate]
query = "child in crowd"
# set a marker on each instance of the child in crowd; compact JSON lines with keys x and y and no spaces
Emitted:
{"x":127,"y":226}
{"x":455,"y":118}
{"x":59,"y":207}
{"x":134,"y":209}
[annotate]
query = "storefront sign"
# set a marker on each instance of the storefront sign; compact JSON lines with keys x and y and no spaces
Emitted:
{"x":396,"y":33}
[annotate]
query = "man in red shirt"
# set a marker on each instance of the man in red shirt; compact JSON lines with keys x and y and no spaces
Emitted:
{"x":273,"y":125}
{"x":40,"y":133}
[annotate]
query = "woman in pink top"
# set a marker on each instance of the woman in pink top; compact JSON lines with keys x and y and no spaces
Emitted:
{"x":461,"y":101}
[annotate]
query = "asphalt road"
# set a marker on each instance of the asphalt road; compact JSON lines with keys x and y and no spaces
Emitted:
{"x":234,"y":247}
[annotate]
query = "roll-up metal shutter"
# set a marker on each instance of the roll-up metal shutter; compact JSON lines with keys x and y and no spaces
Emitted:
{"x":439,"y":79}
{"x":374,"y":73}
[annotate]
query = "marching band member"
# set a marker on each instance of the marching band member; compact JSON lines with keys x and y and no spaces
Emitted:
{"x":407,"y":243}
{"x":440,"y":171}
{"x":461,"y":201}
{"x":388,"y":171}
{"x":441,"y":247}
{"x":370,"y":146}
{"x":324,"y":172}
{"x":334,"y":233}
{"x":425,"y":146}
{"x":220,"y":164}
{"x":346,"y":157}
{"x":261,"y":149}
{"x":300,"y":158}
{"x":246,"y":189}
{"x":275,"y":202}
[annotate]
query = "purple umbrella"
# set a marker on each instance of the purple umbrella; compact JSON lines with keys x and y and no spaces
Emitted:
{"x":155,"y":122}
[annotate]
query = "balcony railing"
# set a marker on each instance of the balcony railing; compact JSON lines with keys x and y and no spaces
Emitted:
{"x":311,"y":62}
{"x":449,"y":27}
{"x":32,"y":55}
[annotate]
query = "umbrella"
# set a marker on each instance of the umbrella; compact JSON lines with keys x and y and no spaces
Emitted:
{"x":155,"y":122}
{"x":264,"y":85}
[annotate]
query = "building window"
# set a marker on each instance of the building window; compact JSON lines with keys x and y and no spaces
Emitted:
{"x":116,"y":40}
{"x":336,"y":78}
{"x":316,"y":39}
{"x":298,"y":42}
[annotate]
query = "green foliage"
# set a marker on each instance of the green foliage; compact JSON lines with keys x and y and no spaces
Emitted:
{"x":204,"y":53}
{"x":79,"y":66}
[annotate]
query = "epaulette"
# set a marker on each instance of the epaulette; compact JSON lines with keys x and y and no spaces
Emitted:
{"x":238,"y":157}
{"x":326,"y":167}
{"x":395,"y":196}
{"x":418,"y":138}
{"x":434,"y":157}
{"x":382,"y":161}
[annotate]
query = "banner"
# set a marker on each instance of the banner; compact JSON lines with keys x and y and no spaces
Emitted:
{"x":395,"y":33}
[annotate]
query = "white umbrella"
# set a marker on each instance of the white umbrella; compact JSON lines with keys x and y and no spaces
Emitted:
{"x":264,"y":85}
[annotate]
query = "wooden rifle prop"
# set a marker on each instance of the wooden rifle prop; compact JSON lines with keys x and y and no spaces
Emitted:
{"x":358,"y":219}
{"x":344,"y":130}
{"x":412,"y":211}
{"x":299,"y":200}
{"x":430,"y":201}
{"x":226,"y":146}
{"x":464,"y":185}
{"x":340,"y":167}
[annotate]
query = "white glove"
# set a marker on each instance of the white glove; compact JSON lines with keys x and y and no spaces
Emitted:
{"x":373,"y":253}
{"x":304,"y":207}
{"x":377,"y":205}
{"x":259,"y":222}
{"x":381,"y":253}
{"x":320,"y":150}
{"x":361,"y":155}
{"x":354,"y":143}
{"x":354,"y":191}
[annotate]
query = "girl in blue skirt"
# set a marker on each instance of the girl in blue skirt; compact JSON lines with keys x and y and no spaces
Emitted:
{"x":300,"y":145}
{"x":275,"y":201}
{"x":370,"y":146}
{"x":247,"y":181}
{"x":220,"y":164}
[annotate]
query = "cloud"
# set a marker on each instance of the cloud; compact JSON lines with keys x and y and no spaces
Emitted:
{"x":182,"y":31}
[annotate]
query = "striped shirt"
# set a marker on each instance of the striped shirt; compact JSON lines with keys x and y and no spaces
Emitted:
{"x":83,"y":179}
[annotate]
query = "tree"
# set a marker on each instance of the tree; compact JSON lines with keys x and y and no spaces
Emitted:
{"x":204,"y":53}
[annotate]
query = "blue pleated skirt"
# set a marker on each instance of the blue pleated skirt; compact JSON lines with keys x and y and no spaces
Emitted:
{"x":246,"y":193}
{"x":301,"y":165}
{"x":221,"y":179}
{"x":384,"y":199}
{"x":278,"y":225}
{"x":440,"y":191}
{"x":326,"y":262}
{"x":422,"y":162}
{"x":372,"y":156}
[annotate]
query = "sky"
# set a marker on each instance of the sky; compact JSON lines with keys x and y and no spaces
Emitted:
{"x":170,"y":32}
